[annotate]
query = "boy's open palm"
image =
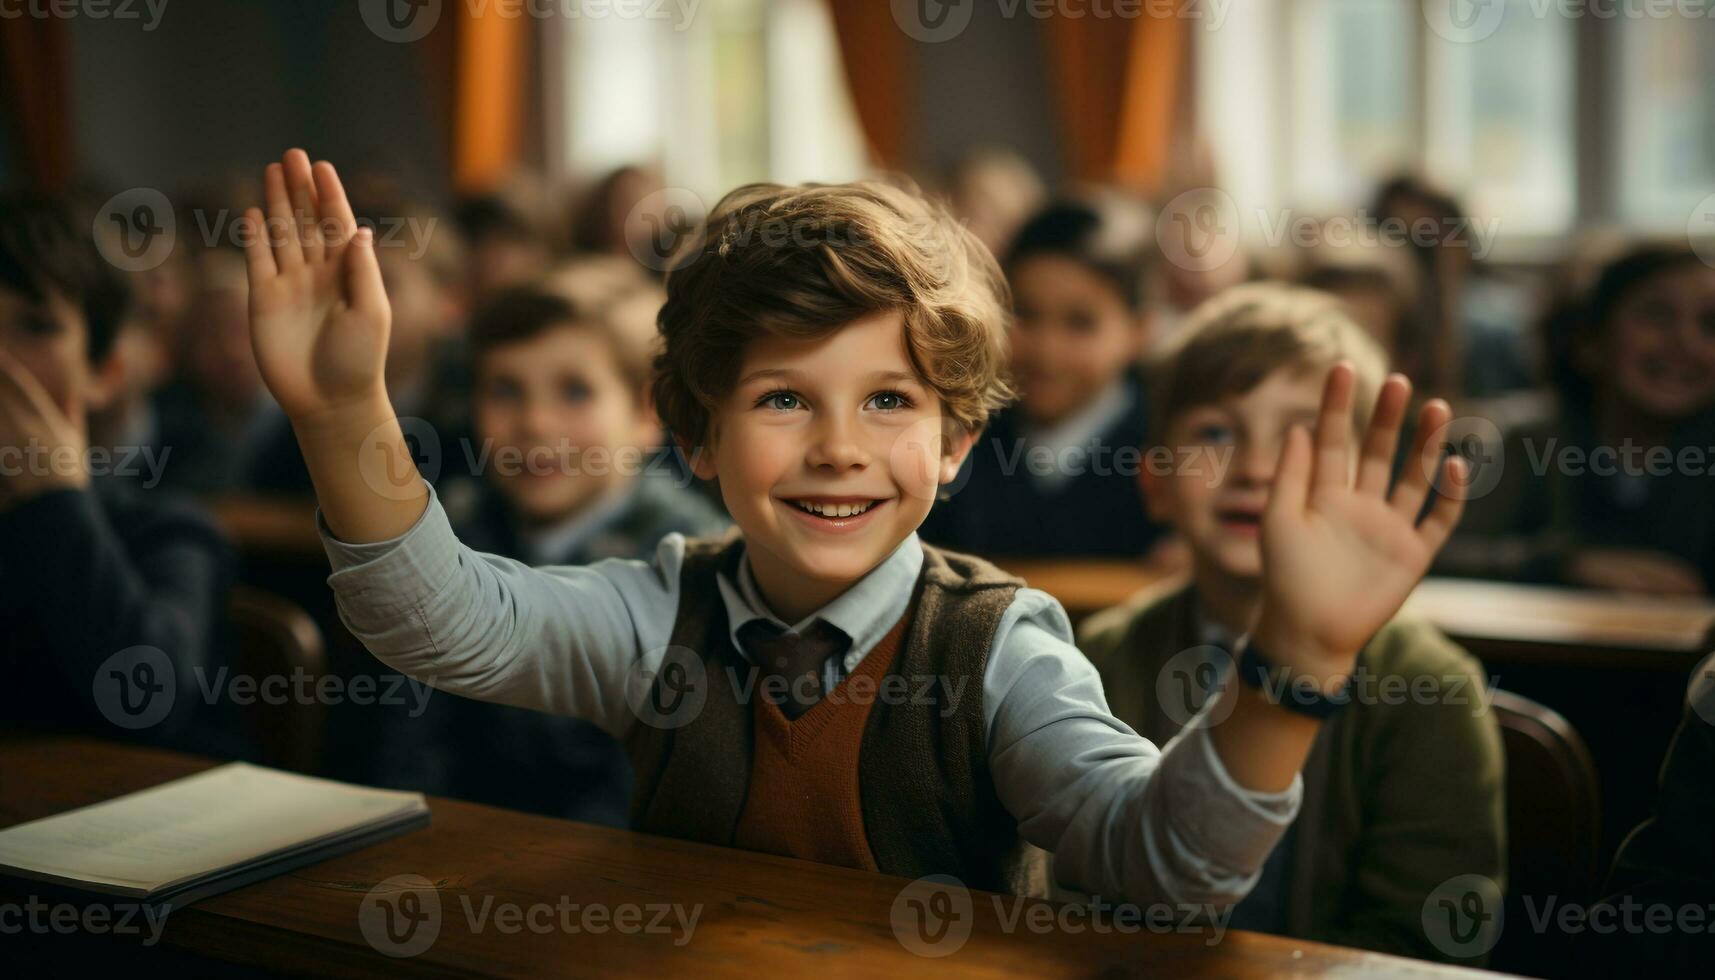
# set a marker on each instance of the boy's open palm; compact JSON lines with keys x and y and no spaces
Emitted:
{"x":1340,"y":555}
{"x":318,"y":313}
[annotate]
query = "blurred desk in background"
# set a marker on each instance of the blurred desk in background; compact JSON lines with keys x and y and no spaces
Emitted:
{"x":1522,"y":623}
{"x":1567,"y":626}
{"x":279,"y":528}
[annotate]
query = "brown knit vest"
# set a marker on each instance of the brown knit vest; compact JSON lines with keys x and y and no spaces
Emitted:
{"x":915,"y":797}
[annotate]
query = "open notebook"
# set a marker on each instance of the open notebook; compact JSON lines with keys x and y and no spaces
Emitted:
{"x":204,"y":834}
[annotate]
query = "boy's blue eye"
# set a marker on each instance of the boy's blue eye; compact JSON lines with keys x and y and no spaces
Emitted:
{"x":890,"y":401}
{"x":1212,"y":433}
{"x":780,"y":401}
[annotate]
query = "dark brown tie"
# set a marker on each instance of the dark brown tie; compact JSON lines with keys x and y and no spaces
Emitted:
{"x":798,"y":658}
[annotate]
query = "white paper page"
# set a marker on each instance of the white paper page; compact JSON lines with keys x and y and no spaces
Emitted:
{"x":229,"y":815}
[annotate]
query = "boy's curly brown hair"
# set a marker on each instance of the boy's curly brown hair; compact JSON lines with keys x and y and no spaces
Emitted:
{"x":802,"y":262}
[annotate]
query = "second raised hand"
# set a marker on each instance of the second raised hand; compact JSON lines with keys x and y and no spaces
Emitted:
{"x":1340,"y":551}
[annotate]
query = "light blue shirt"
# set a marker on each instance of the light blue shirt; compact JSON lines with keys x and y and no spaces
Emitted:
{"x":1123,"y":819}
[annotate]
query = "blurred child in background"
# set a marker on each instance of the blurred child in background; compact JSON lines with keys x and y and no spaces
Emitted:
{"x":1614,"y":492}
{"x":1056,"y":473}
{"x":1478,"y":337}
{"x":1378,"y":289}
{"x":506,"y":247}
{"x":214,"y":414}
{"x":89,"y":568}
{"x":993,"y":190}
{"x":1400,"y":793}
{"x":566,"y":433}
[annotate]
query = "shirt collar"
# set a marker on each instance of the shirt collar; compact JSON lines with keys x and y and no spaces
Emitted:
{"x":864,"y":612}
{"x":1076,"y":435}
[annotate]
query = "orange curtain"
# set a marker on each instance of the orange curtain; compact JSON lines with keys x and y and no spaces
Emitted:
{"x":878,"y":65}
{"x":490,"y":69}
{"x":35,"y":83}
{"x":1118,"y":87}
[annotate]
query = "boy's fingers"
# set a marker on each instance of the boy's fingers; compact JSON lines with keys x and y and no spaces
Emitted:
{"x":1424,"y":462}
{"x":330,"y":193}
{"x":256,"y":252}
{"x":364,"y":290}
{"x":1334,"y":429}
{"x":282,"y":227}
{"x":302,"y":189}
{"x":1291,"y":491}
{"x":1443,"y":516}
{"x":1375,"y":467}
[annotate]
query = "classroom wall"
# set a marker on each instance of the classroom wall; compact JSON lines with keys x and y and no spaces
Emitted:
{"x":148,"y":104}
{"x":989,"y":85}
{"x":266,"y":75}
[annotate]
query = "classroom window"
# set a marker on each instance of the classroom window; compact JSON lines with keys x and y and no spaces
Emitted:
{"x":748,"y":90}
{"x":1666,"y":122}
{"x":1353,"y":65}
{"x":1308,"y":104}
{"x":1500,"y":124}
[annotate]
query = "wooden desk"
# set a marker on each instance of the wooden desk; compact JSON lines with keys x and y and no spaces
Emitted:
{"x":276,"y":526}
{"x":758,"y":913}
{"x":1517,"y":623}
{"x":1580,"y":627}
{"x":1086,"y":586}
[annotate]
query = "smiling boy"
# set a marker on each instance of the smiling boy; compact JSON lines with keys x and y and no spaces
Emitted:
{"x":829,"y":355}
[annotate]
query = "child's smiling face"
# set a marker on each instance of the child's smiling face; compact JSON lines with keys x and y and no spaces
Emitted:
{"x":828,"y":453}
{"x":1658,"y":349}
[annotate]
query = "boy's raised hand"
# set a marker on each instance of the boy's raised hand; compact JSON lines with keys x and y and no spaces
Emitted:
{"x":318,"y":313}
{"x":1340,"y":555}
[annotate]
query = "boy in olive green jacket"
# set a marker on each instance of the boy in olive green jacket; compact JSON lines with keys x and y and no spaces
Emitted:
{"x":1403,"y":786}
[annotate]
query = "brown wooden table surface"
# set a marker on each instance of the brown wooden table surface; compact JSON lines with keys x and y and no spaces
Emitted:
{"x":1534,"y":623}
{"x":757,"y":912}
